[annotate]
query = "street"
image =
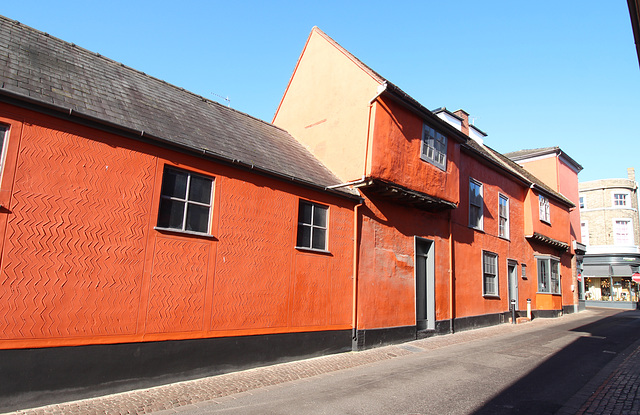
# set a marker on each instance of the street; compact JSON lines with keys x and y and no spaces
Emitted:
{"x":527,"y":372}
{"x":542,"y":367}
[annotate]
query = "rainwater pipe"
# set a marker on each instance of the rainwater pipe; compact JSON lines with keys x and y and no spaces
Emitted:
{"x":451,"y":275}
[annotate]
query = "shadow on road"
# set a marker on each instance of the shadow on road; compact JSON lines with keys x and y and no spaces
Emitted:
{"x":545,"y":389}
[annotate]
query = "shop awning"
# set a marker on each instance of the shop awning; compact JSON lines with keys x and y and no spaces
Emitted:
{"x":621,"y":270}
{"x":595,"y":270}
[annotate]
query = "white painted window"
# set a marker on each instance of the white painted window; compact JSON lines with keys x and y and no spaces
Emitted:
{"x":620,"y":199}
{"x":622,"y":232}
{"x":545,"y":212}
{"x":434,"y":147}
{"x":312,"y":226}
{"x":185,"y":201}
{"x":4,"y":133}
{"x":476,"y":204}
{"x":503,"y":217}
{"x":548,"y":275}
{"x":584,"y":232}
{"x":583,"y":202}
{"x":489,"y":274}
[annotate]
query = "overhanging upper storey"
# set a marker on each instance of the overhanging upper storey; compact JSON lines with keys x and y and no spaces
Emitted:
{"x":402,"y":195}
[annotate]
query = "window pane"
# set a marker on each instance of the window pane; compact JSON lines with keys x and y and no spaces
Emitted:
{"x":305,"y":213}
{"x":320,"y":216}
{"x":197,"y":218}
{"x":3,"y":133}
{"x":543,"y":274}
{"x":200,"y":190}
{"x":304,"y":236}
{"x":170,"y":214}
{"x":174,"y":184}
{"x":319,"y":238}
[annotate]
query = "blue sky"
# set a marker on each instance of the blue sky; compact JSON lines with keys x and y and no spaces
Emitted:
{"x":530,"y":74}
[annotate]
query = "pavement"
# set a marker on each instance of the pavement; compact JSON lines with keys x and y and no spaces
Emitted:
{"x":614,"y":390}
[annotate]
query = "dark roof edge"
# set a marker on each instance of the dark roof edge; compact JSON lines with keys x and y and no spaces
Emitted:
{"x":522,"y":179}
{"x":527,"y":154}
{"x":89,"y":121}
{"x":410,"y":103}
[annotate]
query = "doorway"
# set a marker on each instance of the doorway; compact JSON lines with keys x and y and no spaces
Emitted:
{"x":512,"y":275}
{"x":425,"y":284}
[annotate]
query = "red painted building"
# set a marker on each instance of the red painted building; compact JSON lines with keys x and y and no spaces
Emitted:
{"x":149,"y":234}
{"x":450,"y":231}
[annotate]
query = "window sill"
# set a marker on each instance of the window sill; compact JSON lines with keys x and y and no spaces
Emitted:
{"x":546,"y":222}
{"x":313,"y":250}
{"x":184,"y":233}
{"x":491,"y":296}
{"x":476,"y":229}
{"x":433,"y":163}
{"x":558,"y":294}
{"x":505,"y":238}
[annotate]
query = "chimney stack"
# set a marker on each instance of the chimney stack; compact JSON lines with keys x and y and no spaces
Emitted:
{"x":465,"y":120}
{"x":631,"y":173}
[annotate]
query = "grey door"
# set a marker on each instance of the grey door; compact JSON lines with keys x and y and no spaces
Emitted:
{"x":512,"y":271}
{"x":425,"y":285}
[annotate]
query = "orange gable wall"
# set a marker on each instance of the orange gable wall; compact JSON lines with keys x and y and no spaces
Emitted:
{"x":545,"y":169}
{"x":470,"y":243}
{"x":326,"y":107}
{"x":81,"y":262}
{"x":397,"y":146}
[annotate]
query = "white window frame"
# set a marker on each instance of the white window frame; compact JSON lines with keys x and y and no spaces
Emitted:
{"x":545,"y":208}
{"x":313,"y":226}
{"x":434,"y":147}
{"x":629,"y":241}
{"x":548,"y":280}
{"x":503,"y":216}
{"x":582,"y":201}
{"x":622,"y":202}
{"x":524,"y":271}
{"x":4,"y":133}
{"x":490,"y":274}
{"x":584,"y":231}
{"x":476,"y":201}
{"x":187,"y":201}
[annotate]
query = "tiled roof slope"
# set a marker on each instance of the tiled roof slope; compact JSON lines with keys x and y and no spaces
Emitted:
{"x":514,"y":155}
{"x":517,"y":170}
{"x":49,"y":71}
{"x":534,"y":152}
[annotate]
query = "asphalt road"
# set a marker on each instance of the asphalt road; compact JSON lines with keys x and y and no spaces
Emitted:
{"x":527,"y":372}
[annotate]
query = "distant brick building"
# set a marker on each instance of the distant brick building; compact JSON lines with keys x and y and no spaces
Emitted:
{"x":609,"y":225}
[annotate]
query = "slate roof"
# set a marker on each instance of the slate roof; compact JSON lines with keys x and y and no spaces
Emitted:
{"x":516,"y":170}
{"x":44,"y":70}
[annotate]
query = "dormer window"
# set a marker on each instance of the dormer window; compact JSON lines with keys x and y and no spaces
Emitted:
{"x":434,"y":147}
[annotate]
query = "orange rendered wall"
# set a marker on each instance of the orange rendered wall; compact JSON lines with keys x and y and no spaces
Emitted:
{"x":386,"y":280}
{"x":81,"y":262}
{"x":554,"y":172}
{"x":470,"y":243}
{"x":560,"y":225}
{"x":396,"y":153}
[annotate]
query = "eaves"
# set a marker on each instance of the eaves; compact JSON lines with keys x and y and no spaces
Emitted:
{"x":69,"y":114}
